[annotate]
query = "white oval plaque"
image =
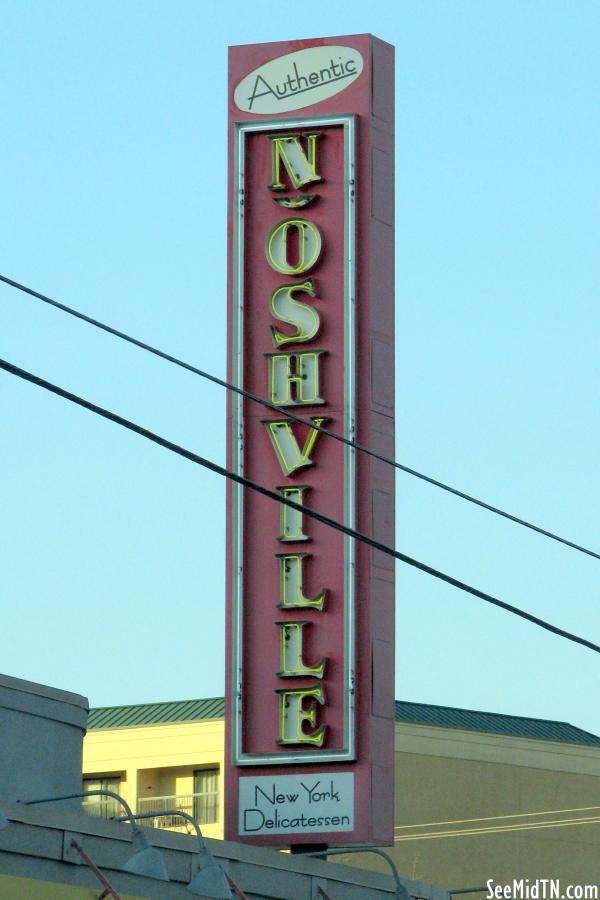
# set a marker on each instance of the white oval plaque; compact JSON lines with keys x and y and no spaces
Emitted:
{"x":298,"y":79}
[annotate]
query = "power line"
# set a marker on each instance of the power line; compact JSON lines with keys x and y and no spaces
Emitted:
{"x":499,"y":829}
{"x":320,"y":428}
{"x":279,"y":498}
{"x":546,"y":812}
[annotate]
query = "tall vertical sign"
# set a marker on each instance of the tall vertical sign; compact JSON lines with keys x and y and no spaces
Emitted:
{"x":310,"y":612}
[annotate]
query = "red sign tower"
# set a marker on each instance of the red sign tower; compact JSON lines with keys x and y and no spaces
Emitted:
{"x":310,"y":612}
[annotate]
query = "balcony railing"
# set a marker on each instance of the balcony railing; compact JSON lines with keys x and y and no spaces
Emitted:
{"x":203,"y":807}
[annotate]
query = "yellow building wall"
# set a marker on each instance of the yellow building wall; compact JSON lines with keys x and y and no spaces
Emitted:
{"x":158,"y":760}
{"x":471,"y":806}
{"x":432,"y":790}
{"x":442,"y":775}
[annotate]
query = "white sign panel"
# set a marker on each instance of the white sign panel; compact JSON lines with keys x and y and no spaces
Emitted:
{"x":298,"y":804}
{"x":298,"y":79}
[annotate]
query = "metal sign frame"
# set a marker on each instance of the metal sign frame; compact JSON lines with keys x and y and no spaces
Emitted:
{"x":348,"y":753}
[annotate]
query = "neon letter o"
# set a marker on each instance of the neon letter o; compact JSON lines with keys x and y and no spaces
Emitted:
{"x":309,"y":246}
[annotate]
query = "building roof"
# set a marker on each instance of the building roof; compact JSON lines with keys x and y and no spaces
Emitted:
{"x":492,"y":723}
{"x":413,"y":713}
{"x":156,"y":713}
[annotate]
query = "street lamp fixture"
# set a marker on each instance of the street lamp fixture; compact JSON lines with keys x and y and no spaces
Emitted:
{"x":208,"y":879}
{"x":400,"y":891}
{"x":145,"y":860}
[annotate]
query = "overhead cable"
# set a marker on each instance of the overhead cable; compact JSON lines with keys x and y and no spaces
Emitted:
{"x":280,"y":411}
{"x":498,"y":829}
{"x":547,"y":812}
{"x":279,"y":498}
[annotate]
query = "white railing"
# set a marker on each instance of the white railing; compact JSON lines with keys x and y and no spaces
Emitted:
{"x":203,"y":807}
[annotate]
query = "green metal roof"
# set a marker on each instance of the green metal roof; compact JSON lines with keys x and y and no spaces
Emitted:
{"x":156,"y":713}
{"x":492,"y":723}
{"x":415,"y":713}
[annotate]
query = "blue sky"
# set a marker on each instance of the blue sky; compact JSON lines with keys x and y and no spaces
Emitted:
{"x":113,"y":172}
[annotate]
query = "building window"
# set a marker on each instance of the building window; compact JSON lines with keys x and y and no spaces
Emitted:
{"x":98,"y":806}
{"x":206,"y":795}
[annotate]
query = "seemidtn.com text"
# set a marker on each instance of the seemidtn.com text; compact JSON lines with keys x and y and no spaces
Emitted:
{"x":540,"y":889}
